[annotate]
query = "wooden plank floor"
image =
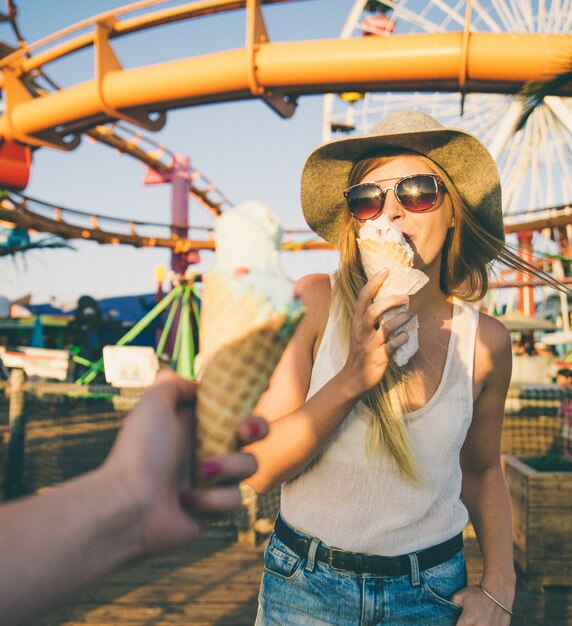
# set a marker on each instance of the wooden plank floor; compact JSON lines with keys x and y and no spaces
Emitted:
{"x":214,"y":582}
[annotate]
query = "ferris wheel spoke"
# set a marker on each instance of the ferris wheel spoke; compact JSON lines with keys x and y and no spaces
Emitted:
{"x":400,"y":12}
{"x":514,"y":174}
{"x":567,"y":12}
{"x":534,"y":169}
{"x":541,"y":17}
{"x":452,"y":13}
{"x":555,"y":15}
{"x":504,"y":15}
{"x":523,"y":23}
{"x":555,"y":163}
{"x":505,"y":129}
{"x":352,"y":19}
{"x":560,"y":110}
{"x":487,"y":18}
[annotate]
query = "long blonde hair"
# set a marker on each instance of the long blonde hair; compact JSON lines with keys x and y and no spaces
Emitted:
{"x":468,"y":252}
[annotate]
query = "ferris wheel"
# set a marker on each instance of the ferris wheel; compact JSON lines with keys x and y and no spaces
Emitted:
{"x":535,"y":163}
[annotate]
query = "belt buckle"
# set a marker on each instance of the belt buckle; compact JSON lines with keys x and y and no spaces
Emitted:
{"x":331,"y":560}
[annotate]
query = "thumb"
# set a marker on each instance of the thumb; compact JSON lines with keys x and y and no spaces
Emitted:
{"x":458,"y":597}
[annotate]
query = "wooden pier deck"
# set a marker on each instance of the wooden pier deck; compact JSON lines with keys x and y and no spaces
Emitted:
{"x":214,"y":582}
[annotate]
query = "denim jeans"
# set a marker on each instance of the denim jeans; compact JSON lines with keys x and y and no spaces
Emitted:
{"x":304,"y":592}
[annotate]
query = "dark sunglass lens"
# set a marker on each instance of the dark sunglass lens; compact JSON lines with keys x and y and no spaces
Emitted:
{"x":365,"y":202}
{"x":417,"y":193}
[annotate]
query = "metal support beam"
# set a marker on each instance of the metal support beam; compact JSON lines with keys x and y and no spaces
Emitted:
{"x":496,"y":62}
{"x":106,"y":63}
{"x":256,"y":36}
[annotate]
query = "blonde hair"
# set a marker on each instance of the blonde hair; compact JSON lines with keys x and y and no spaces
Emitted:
{"x":468,"y":252}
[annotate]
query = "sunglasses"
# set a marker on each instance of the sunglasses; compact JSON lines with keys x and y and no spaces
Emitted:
{"x":415,"y":193}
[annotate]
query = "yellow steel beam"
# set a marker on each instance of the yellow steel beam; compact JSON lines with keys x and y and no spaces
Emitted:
{"x":121,"y":27}
{"x":107,"y":63}
{"x":496,"y":62}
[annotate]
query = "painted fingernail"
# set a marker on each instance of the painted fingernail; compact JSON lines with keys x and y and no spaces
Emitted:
{"x":254,"y":430}
{"x":188,"y":499}
{"x":209,"y":469}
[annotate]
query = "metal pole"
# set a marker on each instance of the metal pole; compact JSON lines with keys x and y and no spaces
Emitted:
{"x":14,"y":479}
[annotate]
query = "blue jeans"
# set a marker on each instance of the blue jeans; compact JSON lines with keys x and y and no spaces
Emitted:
{"x":304,"y":592}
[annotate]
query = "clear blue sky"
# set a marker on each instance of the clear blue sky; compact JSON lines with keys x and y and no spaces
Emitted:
{"x":245,"y":148}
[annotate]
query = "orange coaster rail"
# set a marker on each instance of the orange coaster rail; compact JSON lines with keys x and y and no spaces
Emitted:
{"x":201,"y":189}
{"x":276,"y":72}
{"x":17,"y":212}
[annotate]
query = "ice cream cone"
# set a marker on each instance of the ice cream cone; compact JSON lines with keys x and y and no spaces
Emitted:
{"x":402,"y":278}
{"x":248,"y":315}
{"x":383,"y":247}
{"x":231,"y":382}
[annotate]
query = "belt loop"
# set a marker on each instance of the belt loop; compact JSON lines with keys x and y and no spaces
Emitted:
{"x":415,"y":577}
{"x":311,"y":563}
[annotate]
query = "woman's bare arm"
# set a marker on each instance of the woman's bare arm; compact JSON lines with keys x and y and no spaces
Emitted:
{"x":298,"y":428}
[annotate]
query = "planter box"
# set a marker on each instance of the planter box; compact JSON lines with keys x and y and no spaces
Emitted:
{"x":542,"y":523}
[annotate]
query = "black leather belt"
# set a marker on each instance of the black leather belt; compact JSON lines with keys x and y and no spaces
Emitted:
{"x":342,"y":561}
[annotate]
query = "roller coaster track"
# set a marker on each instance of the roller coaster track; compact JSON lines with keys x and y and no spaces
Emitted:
{"x":275,"y":72}
{"x":127,"y":141}
{"x":15,"y":209}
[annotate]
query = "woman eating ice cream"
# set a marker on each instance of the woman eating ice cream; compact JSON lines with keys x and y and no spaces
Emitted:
{"x":383,"y":464}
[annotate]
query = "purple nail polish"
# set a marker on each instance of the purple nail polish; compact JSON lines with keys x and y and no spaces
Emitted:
{"x":209,"y":469}
{"x":188,"y":499}
{"x":254,"y":430}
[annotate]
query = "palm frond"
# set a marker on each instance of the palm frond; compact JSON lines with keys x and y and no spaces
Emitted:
{"x":533,"y":93}
{"x":47,"y":243}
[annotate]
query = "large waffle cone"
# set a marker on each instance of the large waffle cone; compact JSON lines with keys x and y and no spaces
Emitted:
{"x":237,"y":358}
{"x":225,"y":317}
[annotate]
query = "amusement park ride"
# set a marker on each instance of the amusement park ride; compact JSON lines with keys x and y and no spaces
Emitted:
{"x":462,"y":61}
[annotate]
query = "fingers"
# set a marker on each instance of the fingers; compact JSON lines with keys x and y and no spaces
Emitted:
{"x":396,"y":342}
{"x":367,"y":294}
{"x":214,"y":501}
{"x":386,"y":314}
{"x":228,"y":468}
{"x":251,"y":430}
{"x":173,"y":388}
{"x":221,"y":474}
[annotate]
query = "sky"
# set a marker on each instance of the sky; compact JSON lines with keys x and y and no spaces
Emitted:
{"x":244,"y":147}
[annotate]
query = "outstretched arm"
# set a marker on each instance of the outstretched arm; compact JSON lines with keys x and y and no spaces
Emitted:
{"x":54,"y":544}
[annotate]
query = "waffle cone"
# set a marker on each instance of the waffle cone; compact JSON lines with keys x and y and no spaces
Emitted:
{"x":225,"y":317}
{"x":237,"y":358}
{"x":403,"y":279}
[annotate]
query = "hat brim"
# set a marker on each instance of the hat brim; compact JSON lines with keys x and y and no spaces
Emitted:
{"x":463,"y":157}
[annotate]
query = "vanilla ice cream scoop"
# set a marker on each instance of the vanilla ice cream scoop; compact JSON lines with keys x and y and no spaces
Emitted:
{"x":248,"y":239}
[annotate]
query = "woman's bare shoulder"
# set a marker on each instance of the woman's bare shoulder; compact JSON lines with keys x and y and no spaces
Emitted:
{"x":493,"y":335}
{"x":314,"y":290}
{"x":315,"y":293}
{"x":493,"y":353}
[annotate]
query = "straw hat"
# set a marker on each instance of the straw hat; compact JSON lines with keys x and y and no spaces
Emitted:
{"x":465,"y":159}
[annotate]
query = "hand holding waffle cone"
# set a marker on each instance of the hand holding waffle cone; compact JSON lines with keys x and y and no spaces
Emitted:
{"x":382,"y":246}
{"x":248,"y":315}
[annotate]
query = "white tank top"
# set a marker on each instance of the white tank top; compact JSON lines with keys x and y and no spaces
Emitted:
{"x":360,"y":503}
